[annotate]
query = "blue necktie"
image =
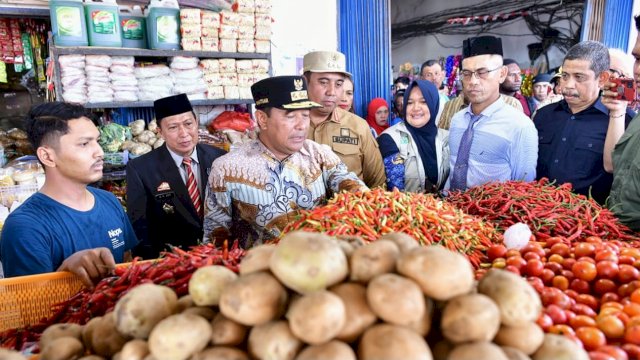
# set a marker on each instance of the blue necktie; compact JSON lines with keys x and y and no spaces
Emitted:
{"x":459,"y":177}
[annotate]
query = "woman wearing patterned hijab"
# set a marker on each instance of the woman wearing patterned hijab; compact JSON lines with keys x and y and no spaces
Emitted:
{"x":415,"y":151}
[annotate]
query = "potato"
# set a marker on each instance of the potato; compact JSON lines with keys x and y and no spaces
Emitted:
{"x":558,"y":347}
{"x":221,"y":353}
{"x":519,"y":303}
{"x":390,"y":342}
{"x":227,"y":332}
{"x":373,"y":259}
{"x":202,"y":311}
{"x":358,"y":313}
{"x":60,"y":330}
{"x":514,"y":354}
{"x":526,"y":338}
{"x":62,"y":348}
{"x":404,"y":241}
{"x":184,"y":302}
{"x":136,"y":349}
{"x":179,"y":336}
{"x":206,"y":284}
{"x":257,"y":259}
{"x":468,"y":318}
{"x":317,"y":318}
{"x":333,"y":350}
{"x":442,"y":274}
{"x":106,"y":340}
{"x":480,"y":350}
{"x":422,"y":325}
{"x":395,"y":299}
{"x":6,"y":354}
{"x":307,"y":262}
{"x":273,"y":340}
{"x":253,"y":299}
{"x":139,"y":310}
{"x":442,"y":349}
{"x":96,"y":357}
{"x":87,"y":332}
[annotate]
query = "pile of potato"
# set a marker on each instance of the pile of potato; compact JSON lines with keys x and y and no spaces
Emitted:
{"x":315,"y":297}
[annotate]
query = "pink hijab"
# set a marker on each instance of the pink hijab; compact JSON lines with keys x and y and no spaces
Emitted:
{"x":374,"y":105}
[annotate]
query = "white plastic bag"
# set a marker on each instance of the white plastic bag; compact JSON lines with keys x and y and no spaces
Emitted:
{"x":517,"y":236}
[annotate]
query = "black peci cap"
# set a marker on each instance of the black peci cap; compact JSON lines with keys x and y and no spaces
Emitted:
{"x":171,"y":105}
{"x":542,"y":78}
{"x":282,"y":92}
{"x":481,"y":45}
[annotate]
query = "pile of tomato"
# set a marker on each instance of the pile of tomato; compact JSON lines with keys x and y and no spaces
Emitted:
{"x":590,"y":290}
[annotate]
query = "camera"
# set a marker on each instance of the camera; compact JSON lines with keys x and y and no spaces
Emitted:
{"x":626,"y":89}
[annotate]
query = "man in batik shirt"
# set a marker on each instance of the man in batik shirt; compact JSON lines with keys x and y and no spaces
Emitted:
{"x":254,"y":191}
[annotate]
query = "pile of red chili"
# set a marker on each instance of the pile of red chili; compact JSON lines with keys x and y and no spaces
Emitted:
{"x":549,"y":210}
{"x":174,"y":270}
{"x":372,"y":214}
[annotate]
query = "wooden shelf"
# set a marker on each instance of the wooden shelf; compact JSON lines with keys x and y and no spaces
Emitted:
{"x":206,"y":102}
{"x":97,"y":50}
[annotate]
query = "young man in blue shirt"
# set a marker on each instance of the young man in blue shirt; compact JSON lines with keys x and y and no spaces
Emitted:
{"x":66,"y":226}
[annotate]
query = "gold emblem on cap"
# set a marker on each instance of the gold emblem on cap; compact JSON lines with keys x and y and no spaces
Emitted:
{"x":299,"y":95}
{"x":334,"y":57}
{"x":297,"y":83}
{"x":262,"y":101}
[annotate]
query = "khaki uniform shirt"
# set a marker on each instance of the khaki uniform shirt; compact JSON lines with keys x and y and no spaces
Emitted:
{"x":457,"y":104}
{"x":350,"y":137}
{"x":624,"y":200}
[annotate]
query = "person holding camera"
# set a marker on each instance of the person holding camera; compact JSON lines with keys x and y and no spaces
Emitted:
{"x":572,"y":132}
{"x":622,"y":150}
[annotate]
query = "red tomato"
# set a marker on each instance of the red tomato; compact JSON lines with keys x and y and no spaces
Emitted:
{"x":614,"y":351}
{"x":606,"y":254}
{"x":536,"y":283}
{"x":580,"y":286}
{"x":584,"y":270}
{"x":534,"y":248}
{"x":560,"y":282}
{"x":598,"y":355}
{"x":547,"y":276}
{"x":554,"y":240}
{"x":632,"y":309}
{"x":496,"y":251}
{"x":512,"y":253}
{"x":531,"y":256}
{"x":556,"y":259}
{"x":626,"y":259}
{"x":571,"y":293}
{"x":567,"y":264}
{"x":603,"y":286}
{"x":632,"y":335}
{"x":609,"y":297}
{"x":560,"y":249}
{"x":512,"y":269}
{"x":556,"y":313}
{"x":544,"y":321}
{"x":607,"y":269}
{"x":588,"y":300}
{"x":584,"y":249}
{"x":591,"y":337}
{"x":635,"y":296}
{"x":517,"y":262}
{"x":611,"y":326}
{"x":593,"y":240}
{"x":632,"y":350}
{"x":630,"y":251}
{"x":562,"y":329}
{"x":625,"y":290}
{"x":555,"y":267}
{"x":582,"y":309}
{"x":627,"y":273}
{"x":587,"y":259}
{"x":534,"y":267}
{"x":582,"y":320}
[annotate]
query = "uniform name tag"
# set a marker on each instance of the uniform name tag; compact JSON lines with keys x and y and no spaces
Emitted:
{"x":165,"y":195}
{"x":345,"y":140}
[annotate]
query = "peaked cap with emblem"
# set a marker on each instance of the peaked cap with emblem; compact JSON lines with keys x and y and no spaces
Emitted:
{"x":325,"y":62}
{"x":171,"y":105}
{"x":282,"y":92}
{"x":481,"y":45}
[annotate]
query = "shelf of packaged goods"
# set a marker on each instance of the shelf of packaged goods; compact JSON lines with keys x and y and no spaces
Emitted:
{"x":120,"y":104}
{"x":96,"y":50}
{"x":23,"y":11}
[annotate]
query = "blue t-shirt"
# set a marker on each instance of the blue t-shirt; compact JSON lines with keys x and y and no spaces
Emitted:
{"x":40,"y":234}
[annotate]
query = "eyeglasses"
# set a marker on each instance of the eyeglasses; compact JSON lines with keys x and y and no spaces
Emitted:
{"x":480,"y":73}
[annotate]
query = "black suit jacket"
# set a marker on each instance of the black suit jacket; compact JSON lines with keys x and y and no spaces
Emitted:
{"x":158,"y":203}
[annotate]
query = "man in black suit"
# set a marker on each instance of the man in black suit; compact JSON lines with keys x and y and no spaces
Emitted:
{"x":165,"y":188}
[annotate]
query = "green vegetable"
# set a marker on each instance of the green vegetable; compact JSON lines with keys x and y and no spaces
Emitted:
{"x":112,"y":136}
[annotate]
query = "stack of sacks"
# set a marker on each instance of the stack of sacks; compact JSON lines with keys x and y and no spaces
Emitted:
{"x":260,"y":69}
{"x":188,"y":77}
{"x":229,"y":23}
{"x":190,"y":29}
{"x":98,"y":81}
{"x":246,"y":25}
{"x":263,"y":26}
{"x":154,"y":82}
{"x":210,"y":28}
{"x":211,"y":74}
{"x":123,"y":80}
{"x":244,"y":68}
{"x":229,"y":78}
{"x":73,"y":78}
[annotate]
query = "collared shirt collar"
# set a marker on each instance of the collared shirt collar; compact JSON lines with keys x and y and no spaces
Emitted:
{"x":178,"y":159}
{"x":597,"y":105}
{"x":265,"y":150}
{"x":495,"y":106}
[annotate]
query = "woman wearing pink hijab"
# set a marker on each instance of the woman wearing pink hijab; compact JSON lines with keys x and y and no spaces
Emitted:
{"x":378,"y":116}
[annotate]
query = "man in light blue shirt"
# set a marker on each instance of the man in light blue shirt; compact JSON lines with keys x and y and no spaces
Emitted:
{"x":489,"y":140}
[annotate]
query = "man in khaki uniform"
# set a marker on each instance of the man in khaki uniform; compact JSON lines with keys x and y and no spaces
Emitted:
{"x":347,"y":134}
{"x":460,"y":103}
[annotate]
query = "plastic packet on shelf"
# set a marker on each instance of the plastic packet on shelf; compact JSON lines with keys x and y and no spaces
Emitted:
{"x":246,"y":46}
{"x":263,"y":19}
{"x":190,"y":30}
{"x":227,"y":65}
{"x":191,"y":43}
{"x":263,"y":46}
{"x":244,"y":6}
{"x":210,"y":65}
{"x":123,"y":60}
{"x":210,"y":44}
{"x":260,"y":65}
{"x":231,"y":92}
{"x":190,"y":16}
{"x":215,"y":92}
{"x":244,"y":92}
{"x":183,"y":62}
{"x":151,"y":71}
{"x":210,"y":19}
{"x":103,"y":61}
{"x":246,"y":80}
{"x":228,"y":45}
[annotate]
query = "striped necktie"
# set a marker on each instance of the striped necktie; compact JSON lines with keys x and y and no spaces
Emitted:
{"x":192,"y":186}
